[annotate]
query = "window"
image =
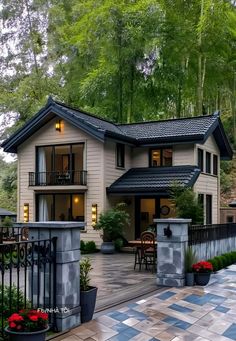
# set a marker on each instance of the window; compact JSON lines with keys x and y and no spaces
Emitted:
{"x":208,"y":209}
{"x":120,"y":155}
{"x":208,"y":162}
{"x":201,"y":199}
{"x":161,"y":157}
{"x":200,"y":159}
{"x":215,"y":164}
{"x":230,"y":219}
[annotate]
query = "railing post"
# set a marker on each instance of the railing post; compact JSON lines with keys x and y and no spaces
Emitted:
{"x":172,"y":239}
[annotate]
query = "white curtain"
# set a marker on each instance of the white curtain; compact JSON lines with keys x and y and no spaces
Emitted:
{"x":42,"y":166}
{"x":43,"y":208}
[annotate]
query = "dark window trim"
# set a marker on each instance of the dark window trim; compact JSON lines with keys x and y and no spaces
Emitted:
{"x":208,"y":171}
{"x":122,"y":150}
{"x":215,"y":164}
{"x":210,"y":216}
{"x":202,"y":154}
{"x":161,"y":156}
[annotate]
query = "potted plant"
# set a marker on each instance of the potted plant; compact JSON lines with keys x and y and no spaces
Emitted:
{"x":112,"y":222}
{"x":190,"y":259}
{"x":202,"y":272}
{"x":27,"y":325}
{"x":88,"y":293}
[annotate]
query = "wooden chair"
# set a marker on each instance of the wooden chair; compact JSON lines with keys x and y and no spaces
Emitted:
{"x":146,"y":253}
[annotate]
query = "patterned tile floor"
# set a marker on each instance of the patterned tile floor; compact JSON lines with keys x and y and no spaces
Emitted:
{"x":177,"y":314}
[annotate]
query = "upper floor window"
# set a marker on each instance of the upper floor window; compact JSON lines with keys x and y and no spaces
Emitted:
{"x":161,"y":157}
{"x":215,"y":164}
{"x":208,"y":209}
{"x":120,"y":155}
{"x":200,"y":159}
{"x":208,"y":162}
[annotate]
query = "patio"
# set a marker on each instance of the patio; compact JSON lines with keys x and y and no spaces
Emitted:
{"x":116,"y":280}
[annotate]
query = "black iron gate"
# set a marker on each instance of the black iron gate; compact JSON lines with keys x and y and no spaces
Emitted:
{"x":27,"y":278}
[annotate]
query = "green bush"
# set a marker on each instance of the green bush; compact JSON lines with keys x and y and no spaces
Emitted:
{"x":214,"y":264}
{"x":227,"y":258}
{"x":90,"y":247}
{"x":222,"y":261}
{"x":118,"y":244}
{"x":82,"y":245}
{"x":219,"y":262}
{"x":8,"y":293}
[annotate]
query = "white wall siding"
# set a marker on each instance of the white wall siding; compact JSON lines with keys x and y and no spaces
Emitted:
{"x":94,"y":152}
{"x":140,"y":157}
{"x":183,"y":154}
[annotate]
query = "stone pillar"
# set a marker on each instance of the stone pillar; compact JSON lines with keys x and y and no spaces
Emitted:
{"x":172,"y":239}
{"x":67,"y":267}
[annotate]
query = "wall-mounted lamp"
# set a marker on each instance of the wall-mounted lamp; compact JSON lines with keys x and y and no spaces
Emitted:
{"x":94,"y":214}
{"x":167,"y":231}
{"x":26,"y":213}
{"x":76,"y":200}
{"x":58,"y":125}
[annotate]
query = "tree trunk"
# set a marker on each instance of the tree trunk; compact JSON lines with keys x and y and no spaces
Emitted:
{"x":131,"y":95}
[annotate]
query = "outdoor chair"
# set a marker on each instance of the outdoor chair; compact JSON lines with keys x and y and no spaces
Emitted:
{"x":146,"y":253}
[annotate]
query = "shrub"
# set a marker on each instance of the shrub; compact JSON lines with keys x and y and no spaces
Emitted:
{"x":190,"y":259}
{"x":219,"y":262}
{"x":17,"y":300}
{"x":90,"y":247}
{"x":224,"y":260}
{"x":118,"y":244}
{"x":214,"y":264}
{"x":85,"y":268}
{"x":228,"y":258}
{"x":82,"y":245}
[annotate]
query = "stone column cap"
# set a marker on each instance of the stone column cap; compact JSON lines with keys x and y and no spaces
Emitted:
{"x":52,"y":224}
{"x":172,"y":220}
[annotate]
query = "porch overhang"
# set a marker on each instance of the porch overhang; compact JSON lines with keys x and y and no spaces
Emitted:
{"x":155,"y":180}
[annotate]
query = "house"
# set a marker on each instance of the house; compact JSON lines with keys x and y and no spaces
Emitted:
{"x":5,"y":213}
{"x":73,"y":165}
{"x":228,"y":214}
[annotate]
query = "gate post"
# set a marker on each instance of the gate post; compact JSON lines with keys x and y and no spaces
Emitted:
{"x":172,"y":239}
{"x":67,"y":268}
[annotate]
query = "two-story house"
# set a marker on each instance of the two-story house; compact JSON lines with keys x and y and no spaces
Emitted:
{"x":73,"y":165}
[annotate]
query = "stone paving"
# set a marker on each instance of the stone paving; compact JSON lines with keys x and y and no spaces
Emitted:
{"x":177,"y":314}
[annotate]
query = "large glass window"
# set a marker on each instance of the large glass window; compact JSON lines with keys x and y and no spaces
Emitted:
{"x":60,"y":207}
{"x":161,"y":157}
{"x":208,"y":209}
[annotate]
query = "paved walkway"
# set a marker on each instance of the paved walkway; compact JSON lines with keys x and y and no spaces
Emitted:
{"x":177,"y":314}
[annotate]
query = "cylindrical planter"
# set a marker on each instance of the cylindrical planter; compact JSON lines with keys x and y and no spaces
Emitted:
{"x":87,"y":303}
{"x":202,"y":278}
{"x":107,"y":247}
{"x":189,"y":279}
{"x":27,"y":336}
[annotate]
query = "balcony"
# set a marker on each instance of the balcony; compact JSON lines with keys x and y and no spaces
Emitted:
{"x":58,"y":178}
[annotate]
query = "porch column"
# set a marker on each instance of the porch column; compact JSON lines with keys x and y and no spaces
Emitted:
{"x":172,"y":239}
{"x":67,"y":271}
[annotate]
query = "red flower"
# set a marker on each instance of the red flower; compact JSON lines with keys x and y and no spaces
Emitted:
{"x":202,"y":266}
{"x":43,"y":316}
{"x":15,"y":317}
{"x":33,"y":318}
{"x":28,"y":320}
{"x":12,"y":325}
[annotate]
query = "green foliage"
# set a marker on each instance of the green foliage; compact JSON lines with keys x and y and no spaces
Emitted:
{"x":82,"y":245}
{"x":190,"y":259}
{"x":187,"y":204}
{"x":112,"y":222}
{"x":7,"y":222}
{"x":118,"y":244}
{"x":214,"y":263}
{"x":17,"y":300}
{"x":222,"y":261}
{"x":85,"y":269}
{"x":90,"y":247}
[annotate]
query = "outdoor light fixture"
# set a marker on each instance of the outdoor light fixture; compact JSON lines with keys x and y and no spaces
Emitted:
{"x":26,"y":213}
{"x":76,"y":200}
{"x":58,"y":125}
{"x":94,"y":214}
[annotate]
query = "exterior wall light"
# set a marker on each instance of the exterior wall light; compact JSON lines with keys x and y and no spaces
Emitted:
{"x":58,"y":125}
{"x":94,"y":214}
{"x":26,"y":213}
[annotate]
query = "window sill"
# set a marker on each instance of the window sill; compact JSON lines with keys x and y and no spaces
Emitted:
{"x":209,"y":174}
{"x":121,"y":168}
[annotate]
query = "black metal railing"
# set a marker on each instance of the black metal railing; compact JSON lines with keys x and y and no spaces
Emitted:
{"x":58,"y":178}
{"x":199,"y":234}
{"x":11,"y":234}
{"x":28,"y":278}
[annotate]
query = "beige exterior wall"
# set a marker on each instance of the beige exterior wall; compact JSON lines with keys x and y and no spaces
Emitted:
{"x":140,"y":157}
{"x":209,"y":184}
{"x":183,"y":154}
{"x":227,"y":212}
{"x":94,"y":161}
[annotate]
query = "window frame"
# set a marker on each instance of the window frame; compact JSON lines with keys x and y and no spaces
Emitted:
{"x":215,"y":165}
{"x":209,"y":207}
{"x":120,"y":148}
{"x":161,"y":156}
{"x":200,"y":151}
{"x":208,"y":170}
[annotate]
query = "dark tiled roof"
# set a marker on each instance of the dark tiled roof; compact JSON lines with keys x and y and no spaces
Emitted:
{"x":6,"y":212}
{"x":192,"y":130}
{"x":156,"y":179}
{"x":194,"y":127}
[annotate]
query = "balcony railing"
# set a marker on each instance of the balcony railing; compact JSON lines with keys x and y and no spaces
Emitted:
{"x":58,"y":178}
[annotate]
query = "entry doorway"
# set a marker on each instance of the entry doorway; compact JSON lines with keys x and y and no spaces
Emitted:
{"x":149,"y":208}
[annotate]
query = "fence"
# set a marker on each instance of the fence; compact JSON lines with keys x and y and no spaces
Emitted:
{"x":212,"y":240}
{"x":28,"y":277}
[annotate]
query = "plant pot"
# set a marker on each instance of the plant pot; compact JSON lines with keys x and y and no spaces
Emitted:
{"x":189,"y":279}
{"x":27,"y":336}
{"x":202,"y":278}
{"x":87,"y":303}
{"x":107,"y":248}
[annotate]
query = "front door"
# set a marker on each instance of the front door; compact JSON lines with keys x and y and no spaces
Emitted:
{"x":149,"y":208}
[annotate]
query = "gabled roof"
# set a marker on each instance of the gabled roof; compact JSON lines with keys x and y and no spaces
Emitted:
{"x":4,"y":212}
{"x":154,"y":180}
{"x":192,"y":130}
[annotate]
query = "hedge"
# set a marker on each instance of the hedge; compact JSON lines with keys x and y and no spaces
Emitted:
{"x":222,"y":261}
